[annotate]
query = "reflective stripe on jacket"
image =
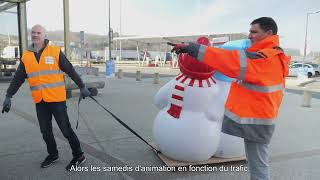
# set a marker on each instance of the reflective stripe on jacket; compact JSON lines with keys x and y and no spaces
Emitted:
{"x":45,"y":78}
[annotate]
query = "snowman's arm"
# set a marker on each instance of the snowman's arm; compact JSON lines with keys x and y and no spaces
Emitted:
{"x":161,"y":99}
{"x":215,"y":110}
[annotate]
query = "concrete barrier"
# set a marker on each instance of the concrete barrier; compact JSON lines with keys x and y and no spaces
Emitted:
{"x":308,"y":92}
{"x":90,"y":77}
{"x":306,"y":87}
{"x":90,"y":81}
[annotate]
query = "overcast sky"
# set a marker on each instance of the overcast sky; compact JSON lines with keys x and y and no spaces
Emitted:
{"x":182,"y":17}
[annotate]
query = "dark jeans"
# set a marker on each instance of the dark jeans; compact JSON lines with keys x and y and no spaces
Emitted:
{"x":59,"y":111}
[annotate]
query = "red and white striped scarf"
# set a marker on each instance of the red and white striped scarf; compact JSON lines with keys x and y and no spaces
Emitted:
{"x":176,"y":99}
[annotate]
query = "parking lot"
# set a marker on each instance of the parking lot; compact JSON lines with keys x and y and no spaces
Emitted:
{"x":295,"y":150}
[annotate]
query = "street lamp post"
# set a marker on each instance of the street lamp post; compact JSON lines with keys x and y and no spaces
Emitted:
{"x":109,"y":34}
{"x":306,"y":36}
{"x":120,"y":54}
{"x":110,"y":67}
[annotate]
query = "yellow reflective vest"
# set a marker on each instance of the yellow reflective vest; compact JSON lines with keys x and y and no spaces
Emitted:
{"x":45,"y":78}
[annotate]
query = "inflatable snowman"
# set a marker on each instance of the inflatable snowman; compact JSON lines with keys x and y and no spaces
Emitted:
{"x":182,"y":130}
{"x":229,"y":146}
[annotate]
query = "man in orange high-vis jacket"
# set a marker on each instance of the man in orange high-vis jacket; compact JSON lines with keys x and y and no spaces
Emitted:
{"x":255,"y":97}
{"x":43,"y":66}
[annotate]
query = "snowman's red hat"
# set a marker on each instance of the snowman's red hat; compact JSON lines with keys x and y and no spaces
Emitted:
{"x":192,"y":68}
{"x":194,"y":74}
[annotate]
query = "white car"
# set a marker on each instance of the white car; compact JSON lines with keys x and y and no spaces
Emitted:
{"x":316,"y":68}
{"x":296,"y":67}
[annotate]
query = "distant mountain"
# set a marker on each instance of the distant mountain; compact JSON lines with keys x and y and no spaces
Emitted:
{"x":75,"y":37}
{"x":92,"y":41}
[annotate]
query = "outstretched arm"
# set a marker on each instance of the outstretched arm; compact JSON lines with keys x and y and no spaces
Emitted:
{"x":161,"y":99}
{"x":18,"y":79}
{"x":242,"y":66}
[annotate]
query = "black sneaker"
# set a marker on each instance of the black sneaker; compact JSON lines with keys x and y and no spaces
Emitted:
{"x":76,"y":162}
{"x":49,"y":160}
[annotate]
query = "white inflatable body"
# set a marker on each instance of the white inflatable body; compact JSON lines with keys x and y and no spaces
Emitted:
{"x":196,"y":135}
{"x":229,"y":146}
{"x":193,"y":136}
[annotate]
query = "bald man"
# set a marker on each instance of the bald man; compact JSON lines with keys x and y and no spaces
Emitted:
{"x":43,"y":66}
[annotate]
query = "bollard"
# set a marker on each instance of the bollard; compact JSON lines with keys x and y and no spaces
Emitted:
{"x":306,"y":101}
{"x":156,"y":78}
{"x":138,"y":76}
{"x":69,"y":92}
{"x":119,"y":74}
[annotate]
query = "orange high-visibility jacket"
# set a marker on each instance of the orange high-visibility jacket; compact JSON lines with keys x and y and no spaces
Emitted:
{"x":260,"y":71}
{"x":45,"y":78}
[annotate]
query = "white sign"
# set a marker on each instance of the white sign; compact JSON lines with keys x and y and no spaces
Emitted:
{"x":219,"y":40}
{"x":49,"y":60}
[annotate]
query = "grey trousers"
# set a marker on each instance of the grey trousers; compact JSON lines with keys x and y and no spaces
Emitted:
{"x":258,"y":160}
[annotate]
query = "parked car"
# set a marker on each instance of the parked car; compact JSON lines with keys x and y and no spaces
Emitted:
{"x":316,"y":68}
{"x":296,"y":67}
